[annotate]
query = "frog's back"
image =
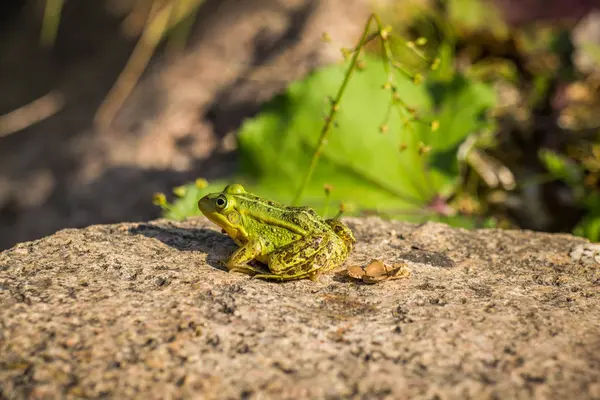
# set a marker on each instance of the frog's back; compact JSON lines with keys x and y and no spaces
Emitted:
{"x":277,"y":223}
{"x":304,"y":217}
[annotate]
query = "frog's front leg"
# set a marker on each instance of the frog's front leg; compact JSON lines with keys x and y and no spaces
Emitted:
{"x":238,"y":261}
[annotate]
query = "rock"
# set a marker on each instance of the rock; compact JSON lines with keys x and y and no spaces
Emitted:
{"x":144,"y":310}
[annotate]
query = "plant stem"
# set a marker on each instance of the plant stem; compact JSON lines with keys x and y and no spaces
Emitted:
{"x":52,"y":13}
{"x":334,"y":109}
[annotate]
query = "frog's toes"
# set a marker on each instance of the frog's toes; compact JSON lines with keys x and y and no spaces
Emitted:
{"x":244,"y":270}
{"x":222,"y":262}
{"x":271,"y":277}
{"x":240,"y":270}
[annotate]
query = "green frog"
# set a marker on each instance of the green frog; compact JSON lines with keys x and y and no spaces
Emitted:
{"x":294,"y":242}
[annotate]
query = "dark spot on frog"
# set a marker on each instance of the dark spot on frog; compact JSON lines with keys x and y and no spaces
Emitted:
{"x":428,"y":257}
{"x":329,"y":247}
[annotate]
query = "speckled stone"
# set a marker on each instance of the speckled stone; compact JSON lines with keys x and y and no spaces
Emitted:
{"x":145,"y":311}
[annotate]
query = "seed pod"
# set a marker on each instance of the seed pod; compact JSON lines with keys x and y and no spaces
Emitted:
{"x":377,"y":271}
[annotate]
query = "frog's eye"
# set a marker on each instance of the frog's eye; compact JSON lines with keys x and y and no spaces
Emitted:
{"x":221,"y":202}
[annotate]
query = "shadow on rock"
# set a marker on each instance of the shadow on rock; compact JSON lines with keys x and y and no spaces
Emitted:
{"x":201,"y":240}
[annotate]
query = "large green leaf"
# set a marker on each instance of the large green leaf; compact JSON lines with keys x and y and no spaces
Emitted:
{"x":367,"y":169}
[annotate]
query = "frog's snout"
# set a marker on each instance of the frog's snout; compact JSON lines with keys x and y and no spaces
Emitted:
{"x":206,"y":205}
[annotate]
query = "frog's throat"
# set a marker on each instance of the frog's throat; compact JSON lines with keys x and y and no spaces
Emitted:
{"x":236,"y":233}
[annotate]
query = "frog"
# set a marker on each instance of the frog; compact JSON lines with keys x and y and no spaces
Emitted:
{"x":294,"y":242}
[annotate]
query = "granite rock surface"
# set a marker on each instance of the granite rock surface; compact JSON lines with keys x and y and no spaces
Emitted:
{"x":144,"y":310}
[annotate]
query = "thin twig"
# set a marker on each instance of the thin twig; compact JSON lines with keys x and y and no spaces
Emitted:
{"x":334,"y":109}
{"x":31,"y":113}
{"x":160,"y":19}
{"x":153,"y":33}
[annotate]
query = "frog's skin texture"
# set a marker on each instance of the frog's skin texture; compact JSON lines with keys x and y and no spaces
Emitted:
{"x":295,"y":242}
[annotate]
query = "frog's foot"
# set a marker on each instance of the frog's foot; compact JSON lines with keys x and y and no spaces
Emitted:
{"x":245,"y":269}
{"x":282,"y":278}
{"x":222,"y":262}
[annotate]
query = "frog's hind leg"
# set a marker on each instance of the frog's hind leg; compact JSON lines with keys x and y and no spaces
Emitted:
{"x":304,"y":258}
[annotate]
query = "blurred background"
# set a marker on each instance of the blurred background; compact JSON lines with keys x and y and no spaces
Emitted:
{"x":472,"y":112}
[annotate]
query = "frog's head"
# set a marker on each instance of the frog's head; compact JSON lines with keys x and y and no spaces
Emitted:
{"x":221,"y":208}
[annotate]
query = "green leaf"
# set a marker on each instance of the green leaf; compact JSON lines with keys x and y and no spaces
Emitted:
{"x":366,"y":168}
{"x":561,"y":167}
{"x":589,"y":227}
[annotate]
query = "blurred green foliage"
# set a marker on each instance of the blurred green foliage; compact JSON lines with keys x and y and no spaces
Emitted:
{"x":399,"y":148}
{"x":458,"y":144}
{"x":377,"y":158}
{"x":580,"y":173}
